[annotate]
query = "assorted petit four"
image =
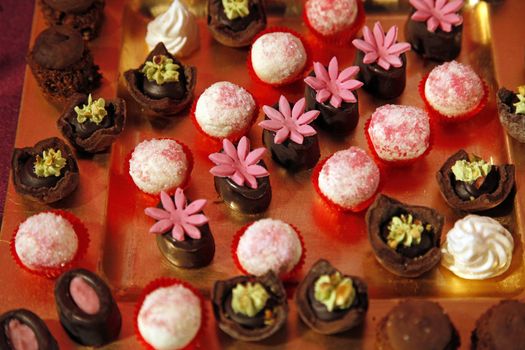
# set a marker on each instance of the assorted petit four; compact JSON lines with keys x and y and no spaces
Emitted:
{"x":329,"y":301}
{"x":24,"y":330}
{"x":287,"y":134}
{"x":404,"y":238}
{"x":435,"y":27}
{"x":471,"y":184}
{"x":511,"y":110}
{"x":236,"y":22}
{"x":382,"y":61}
{"x":250,"y":308}
{"x":162,"y":84}
{"x":183,"y":235}
{"x":86,"y":309}
{"x":334,"y":94}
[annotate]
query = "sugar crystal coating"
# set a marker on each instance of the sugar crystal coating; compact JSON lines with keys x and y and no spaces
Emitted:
{"x":330,"y":17}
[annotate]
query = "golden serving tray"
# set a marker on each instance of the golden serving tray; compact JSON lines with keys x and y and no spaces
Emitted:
{"x":125,"y":254}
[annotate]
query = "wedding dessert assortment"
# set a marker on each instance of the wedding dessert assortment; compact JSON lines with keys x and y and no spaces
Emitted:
{"x":407,"y":240}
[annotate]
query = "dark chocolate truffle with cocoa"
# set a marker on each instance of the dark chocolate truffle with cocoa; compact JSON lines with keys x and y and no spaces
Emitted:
{"x":470,"y":184}
{"x":330,"y":302}
{"x":86,"y":308}
{"x":162,"y":84}
{"x":416,"y":324}
{"x":511,"y":110}
{"x":85,"y":16}
{"x":62,"y":64}
{"x":91,"y":125}
{"x":47,"y":172}
{"x":250,"y":308}
{"x":235,"y":23}
{"x":404,"y":238}
{"x":22,"y":329}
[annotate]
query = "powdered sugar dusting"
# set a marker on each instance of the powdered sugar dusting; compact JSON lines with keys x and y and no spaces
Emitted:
{"x":170,"y":317}
{"x":330,"y":17}
{"x":158,"y":165}
{"x":278,"y":57}
{"x":349,"y":177}
{"x":224,"y":109}
{"x":269,"y":244}
{"x":453,"y":89}
{"x":46,"y":240}
{"x":399,"y":132}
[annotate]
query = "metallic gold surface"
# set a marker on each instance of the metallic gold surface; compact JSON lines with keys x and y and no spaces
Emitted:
{"x":125,"y":253}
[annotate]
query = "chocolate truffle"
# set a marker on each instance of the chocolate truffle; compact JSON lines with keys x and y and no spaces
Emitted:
{"x":332,"y":19}
{"x":62,"y":64}
{"x":511,"y":110}
{"x":92,"y":125}
{"x":22,"y":329}
{"x":236,"y":22}
{"x":47,"y":172}
{"x":250,"y":308}
{"x":404,"y":238}
{"x":330,"y":302}
{"x":86,"y":308}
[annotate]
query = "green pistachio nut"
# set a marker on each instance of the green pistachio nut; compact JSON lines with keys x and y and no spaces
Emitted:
{"x":249,"y":299}
{"x":470,"y":170}
{"x":49,"y":164}
{"x":334,"y":291}
{"x":520,"y":105}
{"x":405,"y":230}
{"x":94,"y":111}
{"x":236,"y":8}
{"x":161,"y":69}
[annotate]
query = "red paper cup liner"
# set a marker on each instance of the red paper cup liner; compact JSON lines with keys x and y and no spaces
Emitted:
{"x":307,"y":66}
{"x":166,"y":282}
{"x":435,"y":115}
{"x":286,"y":277}
{"x":357,"y":208}
{"x":54,"y":272}
{"x":344,"y":36}
{"x":402,"y":162}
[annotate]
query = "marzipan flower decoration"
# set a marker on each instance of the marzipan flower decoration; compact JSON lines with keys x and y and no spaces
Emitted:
{"x":50,"y":163}
{"x":289,"y":123}
{"x":239,"y":164}
{"x":178,"y":216}
{"x":94,"y":111}
{"x":381,"y":48}
{"x":161,"y":69}
{"x":438,"y":13}
{"x":236,"y":8}
{"x":330,"y":84}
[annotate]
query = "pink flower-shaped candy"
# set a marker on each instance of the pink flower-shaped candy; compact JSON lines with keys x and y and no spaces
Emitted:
{"x":239,"y":164}
{"x":289,"y":123}
{"x":438,"y":13}
{"x":334,"y":85}
{"x":177,"y":216}
{"x":381,"y":48}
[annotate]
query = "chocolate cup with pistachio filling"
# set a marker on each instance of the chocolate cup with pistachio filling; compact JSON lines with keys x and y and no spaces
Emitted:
{"x":85,"y":328}
{"x":88,"y":136}
{"x":512,"y":122}
{"x":317,"y":316}
{"x":44,"y":189}
{"x":499,"y":184}
{"x":414,"y":262}
{"x":239,"y":326}
{"x":43,"y":337}
{"x":176,"y":96}
{"x":237,"y":32}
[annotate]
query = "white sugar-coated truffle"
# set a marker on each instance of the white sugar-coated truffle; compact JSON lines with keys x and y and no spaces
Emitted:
{"x":349,"y":177}
{"x":453,"y":89}
{"x":329,"y":17}
{"x":170,"y":317}
{"x":399,"y":132}
{"x":46,"y":240}
{"x":278,"y":57}
{"x":158,"y":165}
{"x":269,"y":244}
{"x":224,"y":109}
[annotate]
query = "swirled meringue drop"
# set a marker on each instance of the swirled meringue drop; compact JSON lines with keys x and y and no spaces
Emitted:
{"x":477,"y":247}
{"x":176,"y":28}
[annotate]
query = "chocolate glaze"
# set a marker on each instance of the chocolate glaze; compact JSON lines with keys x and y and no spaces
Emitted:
{"x":58,"y":47}
{"x":379,"y":215}
{"x":28,"y":176}
{"x":415,"y":250}
{"x":240,"y":23}
{"x":513,"y":123}
{"x":85,"y":329}
{"x":222,"y":290}
{"x":45,"y":339}
{"x":70,"y":6}
{"x":256,"y":321}
{"x":482,"y":185}
{"x":175,"y":90}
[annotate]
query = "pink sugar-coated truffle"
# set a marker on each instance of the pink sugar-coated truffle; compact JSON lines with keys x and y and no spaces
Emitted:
{"x":159,"y":165}
{"x":348,"y":179}
{"x":329,"y":17}
{"x":453,"y":89}
{"x":269,"y":244}
{"x":399,"y":133}
{"x":224,"y":110}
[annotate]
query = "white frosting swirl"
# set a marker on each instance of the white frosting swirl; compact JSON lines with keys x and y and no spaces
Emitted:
{"x":477,"y":247}
{"x":176,"y":28}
